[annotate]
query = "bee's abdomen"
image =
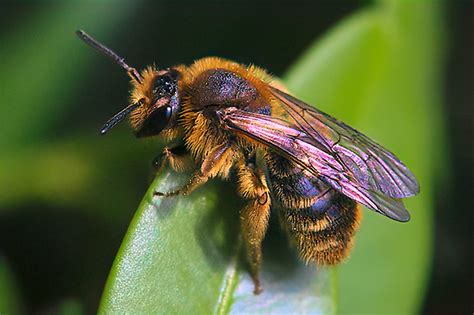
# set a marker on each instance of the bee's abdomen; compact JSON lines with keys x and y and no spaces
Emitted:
{"x":320,"y":220}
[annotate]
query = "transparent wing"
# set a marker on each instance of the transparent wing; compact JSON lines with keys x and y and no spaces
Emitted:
{"x":369,"y":164}
{"x":312,"y":154}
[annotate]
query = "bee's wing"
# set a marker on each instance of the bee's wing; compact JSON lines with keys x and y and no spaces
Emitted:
{"x":369,"y":164}
{"x":315,"y":154}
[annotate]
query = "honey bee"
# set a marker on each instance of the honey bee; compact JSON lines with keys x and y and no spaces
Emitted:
{"x":312,"y":169}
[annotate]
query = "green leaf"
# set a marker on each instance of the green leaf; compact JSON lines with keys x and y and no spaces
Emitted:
{"x":182,"y":255}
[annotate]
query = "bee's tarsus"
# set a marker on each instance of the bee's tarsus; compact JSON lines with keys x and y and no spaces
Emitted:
{"x":257,"y":287}
{"x":166,"y":194}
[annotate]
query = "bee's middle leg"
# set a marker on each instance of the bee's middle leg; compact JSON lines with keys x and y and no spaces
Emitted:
{"x":217,"y":161}
{"x":254,"y":217}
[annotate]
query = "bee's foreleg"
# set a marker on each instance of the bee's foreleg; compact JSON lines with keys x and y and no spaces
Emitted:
{"x":217,"y":161}
{"x":254,"y":217}
{"x":178,"y":158}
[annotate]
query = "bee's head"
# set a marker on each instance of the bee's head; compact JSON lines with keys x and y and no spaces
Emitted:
{"x":158,"y":96}
{"x":155,"y":102}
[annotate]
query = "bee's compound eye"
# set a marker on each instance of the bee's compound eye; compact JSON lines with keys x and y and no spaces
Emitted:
{"x":156,"y":122}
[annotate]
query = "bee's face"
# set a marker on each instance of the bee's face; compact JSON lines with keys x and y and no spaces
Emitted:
{"x":161,"y":103}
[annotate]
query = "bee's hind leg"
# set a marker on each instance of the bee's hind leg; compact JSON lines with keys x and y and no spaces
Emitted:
{"x":254,"y":216}
{"x":218,"y":161}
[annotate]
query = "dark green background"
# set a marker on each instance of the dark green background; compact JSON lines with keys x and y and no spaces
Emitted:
{"x":68,"y":195}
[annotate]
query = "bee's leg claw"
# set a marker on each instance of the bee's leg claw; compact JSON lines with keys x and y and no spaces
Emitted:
{"x":257,"y":286}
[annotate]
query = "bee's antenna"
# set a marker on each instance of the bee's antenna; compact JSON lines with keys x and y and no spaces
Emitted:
{"x":132,"y":72}
{"x":120,"y":116}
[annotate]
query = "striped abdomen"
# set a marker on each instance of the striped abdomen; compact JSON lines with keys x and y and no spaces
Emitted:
{"x":321,"y":221}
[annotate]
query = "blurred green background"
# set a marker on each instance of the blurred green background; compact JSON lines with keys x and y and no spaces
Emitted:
{"x":68,"y":195}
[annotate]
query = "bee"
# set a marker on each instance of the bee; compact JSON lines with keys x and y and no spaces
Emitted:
{"x":312,"y":169}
